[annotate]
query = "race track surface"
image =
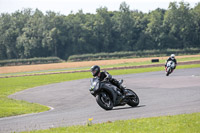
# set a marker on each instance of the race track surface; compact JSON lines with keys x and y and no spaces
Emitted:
{"x":73,"y":104}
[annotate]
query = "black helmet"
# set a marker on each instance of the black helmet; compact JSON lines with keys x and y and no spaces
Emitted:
{"x":95,"y":70}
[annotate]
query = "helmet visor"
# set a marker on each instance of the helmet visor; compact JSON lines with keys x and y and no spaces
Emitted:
{"x":94,"y":72}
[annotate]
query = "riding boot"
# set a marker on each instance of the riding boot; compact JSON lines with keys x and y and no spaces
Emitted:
{"x":119,"y":85}
{"x":123,"y":90}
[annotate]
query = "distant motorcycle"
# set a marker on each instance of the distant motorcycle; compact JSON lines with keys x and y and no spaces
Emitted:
{"x":109,"y":96}
{"x":169,"y":67}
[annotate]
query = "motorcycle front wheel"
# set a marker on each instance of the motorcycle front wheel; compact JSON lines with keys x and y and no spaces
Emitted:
{"x":134,"y":99}
{"x":168,"y":71}
{"x":104,"y":101}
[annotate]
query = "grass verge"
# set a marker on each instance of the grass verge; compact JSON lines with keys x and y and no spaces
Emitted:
{"x":125,"y":64}
{"x":185,"y":123}
{"x":9,"y":107}
{"x":161,"y":61}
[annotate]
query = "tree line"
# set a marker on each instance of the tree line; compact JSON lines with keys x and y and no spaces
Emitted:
{"x":27,"y":33}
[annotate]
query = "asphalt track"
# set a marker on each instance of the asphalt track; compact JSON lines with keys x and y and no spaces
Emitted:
{"x":72,"y":103}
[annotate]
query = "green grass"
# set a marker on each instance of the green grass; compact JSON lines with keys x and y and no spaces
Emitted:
{"x":9,"y":107}
{"x":151,"y":69}
{"x":9,"y":86}
{"x":104,"y":67}
{"x":185,"y":123}
{"x":149,"y":62}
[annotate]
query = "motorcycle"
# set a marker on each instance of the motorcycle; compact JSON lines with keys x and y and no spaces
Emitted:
{"x":169,"y":67}
{"x":109,"y":96}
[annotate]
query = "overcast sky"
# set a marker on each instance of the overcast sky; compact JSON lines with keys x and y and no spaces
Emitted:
{"x":88,"y":6}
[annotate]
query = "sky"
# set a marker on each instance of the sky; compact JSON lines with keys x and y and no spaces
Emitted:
{"x":88,"y":6}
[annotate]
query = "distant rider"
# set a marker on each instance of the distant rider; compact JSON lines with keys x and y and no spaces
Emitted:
{"x":171,"y":58}
{"x":105,"y":75}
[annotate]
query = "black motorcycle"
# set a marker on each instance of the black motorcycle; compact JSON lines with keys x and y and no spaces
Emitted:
{"x":109,"y":96}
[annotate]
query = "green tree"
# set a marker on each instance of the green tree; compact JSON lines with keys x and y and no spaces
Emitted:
{"x":30,"y":42}
{"x":128,"y":34}
{"x":10,"y":28}
{"x":78,"y":42}
{"x":102,"y":30}
{"x":155,"y":28}
{"x":196,"y":27}
{"x":28,"y":33}
{"x":177,"y":25}
{"x":53,"y":40}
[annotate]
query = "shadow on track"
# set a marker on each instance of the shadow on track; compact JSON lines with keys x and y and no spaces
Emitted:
{"x":129,"y":107}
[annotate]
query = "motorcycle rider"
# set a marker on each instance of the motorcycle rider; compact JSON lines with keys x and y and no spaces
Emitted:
{"x":171,"y":58}
{"x":96,"y":71}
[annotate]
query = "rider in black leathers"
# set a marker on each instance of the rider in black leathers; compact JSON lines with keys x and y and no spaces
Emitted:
{"x":105,"y":75}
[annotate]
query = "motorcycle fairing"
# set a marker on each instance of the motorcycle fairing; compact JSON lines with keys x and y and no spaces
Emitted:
{"x":111,"y":90}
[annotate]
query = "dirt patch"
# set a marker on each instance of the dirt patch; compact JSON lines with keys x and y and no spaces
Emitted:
{"x":114,"y":68}
{"x":28,"y":68}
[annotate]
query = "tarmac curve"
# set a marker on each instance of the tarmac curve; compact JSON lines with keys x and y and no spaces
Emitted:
{"x":72,"y":104}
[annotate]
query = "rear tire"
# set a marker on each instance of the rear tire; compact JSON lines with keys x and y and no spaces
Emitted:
{"x":134,"y":100}
{"x":104,"y":101}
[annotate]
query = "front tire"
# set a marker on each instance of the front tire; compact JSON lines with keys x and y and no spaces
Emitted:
{"x":134,"y":99}
{"x":104,"y":101}
{"x":168,"y":71}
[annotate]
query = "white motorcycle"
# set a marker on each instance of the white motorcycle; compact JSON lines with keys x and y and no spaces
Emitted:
{"x":170,"y":67}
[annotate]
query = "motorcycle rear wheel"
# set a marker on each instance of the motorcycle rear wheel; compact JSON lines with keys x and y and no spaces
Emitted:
{"x":104,"y":101}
